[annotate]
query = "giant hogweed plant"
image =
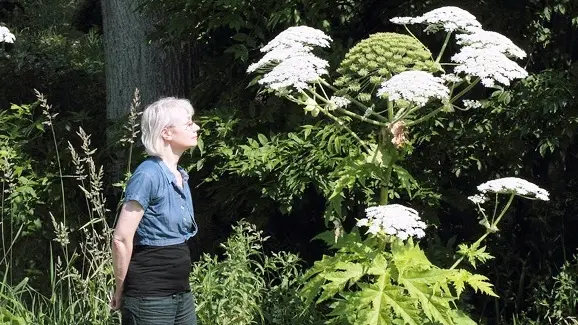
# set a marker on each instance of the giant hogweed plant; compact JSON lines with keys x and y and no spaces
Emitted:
{"x":392,"y":82}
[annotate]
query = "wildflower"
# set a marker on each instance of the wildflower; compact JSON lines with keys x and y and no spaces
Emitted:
{"x":478,"y":198}
{"x":469,"y":104}
{"x":488,"y":40}
{"x":450,"y":78}
{"x":278,"y":55}
{"x":447,"y":18}
{"x":514,"y":185}
{"x":338,"y":102}
{"x":394,"y":220}
{"x":489,"y":65}
{"x":6,"y":36}
{"x":297,"y":36}
{"x":414,"y":86}
{"x":296,"y":71}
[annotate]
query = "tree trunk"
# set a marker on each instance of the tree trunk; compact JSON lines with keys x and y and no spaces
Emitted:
{"x":132,"y":61}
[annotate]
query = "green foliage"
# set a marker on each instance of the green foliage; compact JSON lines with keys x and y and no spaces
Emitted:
{"x":554,"y":300}
{"x":78,"y":270}
{"x":366,"y":284}
{"x":247,"y":286}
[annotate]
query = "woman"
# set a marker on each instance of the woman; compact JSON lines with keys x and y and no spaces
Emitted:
{"x":151,"y":257}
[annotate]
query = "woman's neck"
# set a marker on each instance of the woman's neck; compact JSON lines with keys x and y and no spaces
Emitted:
{"x":171,"y":160}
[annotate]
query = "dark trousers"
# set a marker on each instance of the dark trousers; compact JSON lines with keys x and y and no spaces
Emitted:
{"x":177,"y":309}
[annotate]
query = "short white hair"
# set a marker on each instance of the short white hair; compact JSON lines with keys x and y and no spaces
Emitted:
{"x":159,"y":115}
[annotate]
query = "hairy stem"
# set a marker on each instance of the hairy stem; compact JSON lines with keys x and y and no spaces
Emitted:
{"x":355,"y":102}
{"x":446,"y":41}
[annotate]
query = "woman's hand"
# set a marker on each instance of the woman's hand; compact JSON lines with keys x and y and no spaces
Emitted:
{"x":116,"y":300}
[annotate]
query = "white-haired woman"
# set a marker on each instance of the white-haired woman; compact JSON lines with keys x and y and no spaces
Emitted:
{"x":151,"y":257}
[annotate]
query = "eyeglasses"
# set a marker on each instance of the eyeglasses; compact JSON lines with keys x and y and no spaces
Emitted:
{"x":188,"y":126}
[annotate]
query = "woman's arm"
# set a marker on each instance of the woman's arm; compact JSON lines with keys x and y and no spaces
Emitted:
{"x":122,"y":241}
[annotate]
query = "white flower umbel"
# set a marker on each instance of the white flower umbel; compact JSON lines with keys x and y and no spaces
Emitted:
{"x":298,"y":36}
{"x":478,"y":198}
{"x":278,"y":55}
{"x":296,"y":71}
{"x":450,"y":78}
{"x":338,"y":102}
{"x":488,"y":40}
{"x":471,"y":104}
{"x":490,"y":66}
{"x":514,"y":185}
{"x":414,"y":86}
{"x":447,"y":18}
{"x":6,"y":36}
{"x":393,"y":219}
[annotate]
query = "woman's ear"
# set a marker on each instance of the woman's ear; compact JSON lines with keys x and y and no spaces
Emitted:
{"x":166,"y":134}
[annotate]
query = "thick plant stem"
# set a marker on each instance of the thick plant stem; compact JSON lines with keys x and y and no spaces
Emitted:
{"x":361,"y":117}
{"x":493,"y":225}
{"x":465,"y":90}
{"x":446,"y":41}
{"x":385,"y":140}
{"x":384,"y":191}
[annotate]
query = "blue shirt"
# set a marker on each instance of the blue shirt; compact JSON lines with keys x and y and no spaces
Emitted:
{"x":169,"y":217}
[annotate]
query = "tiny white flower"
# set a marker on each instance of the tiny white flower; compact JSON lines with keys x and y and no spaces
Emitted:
{"x":298,"y":36}
{"x":490,"y":66}
{"x":390,"y":231}
{"x":478,"y":198}
{"x":338,"y":102}
{"x":471,"y":104}
{"x":514,"y":185}
{"x":394,"y":220}
{"x":362,"y":222}
{"x":414,"y":86}
{"x":6,"y":36}
{"x":373,"y":229}
{"x":403,"y":20}
{"x":296,"y":71}
{"x":481,"y":39}
{"x":450,"y":78}
{"x":419,"y":233}
{"x":448,"y":18}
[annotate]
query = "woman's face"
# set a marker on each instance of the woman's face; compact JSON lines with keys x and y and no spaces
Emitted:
{"x":183,"y":133}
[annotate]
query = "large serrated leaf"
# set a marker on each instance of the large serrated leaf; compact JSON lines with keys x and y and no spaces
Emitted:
{"x":460,"y":318}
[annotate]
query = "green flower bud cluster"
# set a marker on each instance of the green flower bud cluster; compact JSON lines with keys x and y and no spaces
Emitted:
{"x":378,"y":58}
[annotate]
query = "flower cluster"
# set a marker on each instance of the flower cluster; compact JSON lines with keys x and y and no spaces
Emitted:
{"x":514,"y":185}
{"x":451,"y":78}
{"x":447,"y":18}
{"x":290,"y":55}
{"x":338,"y":102}
{"x":298,"y":36}
{"x":471,"y":104}
{"x":489,"y":65}
{"x":478,"y":198}
{"x":482,"y":39}
{"x":394,"y":220}
{"x":296,"y":71}
{"x":6,"y":36}
{"x":417,"y":87}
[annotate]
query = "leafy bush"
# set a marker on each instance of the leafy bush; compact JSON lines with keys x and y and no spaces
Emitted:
{"x":248,"y":286}
{"x":553,"y":300}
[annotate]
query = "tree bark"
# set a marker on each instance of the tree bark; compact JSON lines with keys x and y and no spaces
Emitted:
{"x":133,"y":61}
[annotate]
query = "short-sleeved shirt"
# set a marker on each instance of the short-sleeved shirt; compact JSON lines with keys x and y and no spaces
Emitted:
{"x":169,"y":216}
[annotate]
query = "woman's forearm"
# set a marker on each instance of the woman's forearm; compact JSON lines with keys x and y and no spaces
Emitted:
{"x":121,"y":254}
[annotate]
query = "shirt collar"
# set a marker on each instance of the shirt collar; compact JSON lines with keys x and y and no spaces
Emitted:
{"x":170,"y":177}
